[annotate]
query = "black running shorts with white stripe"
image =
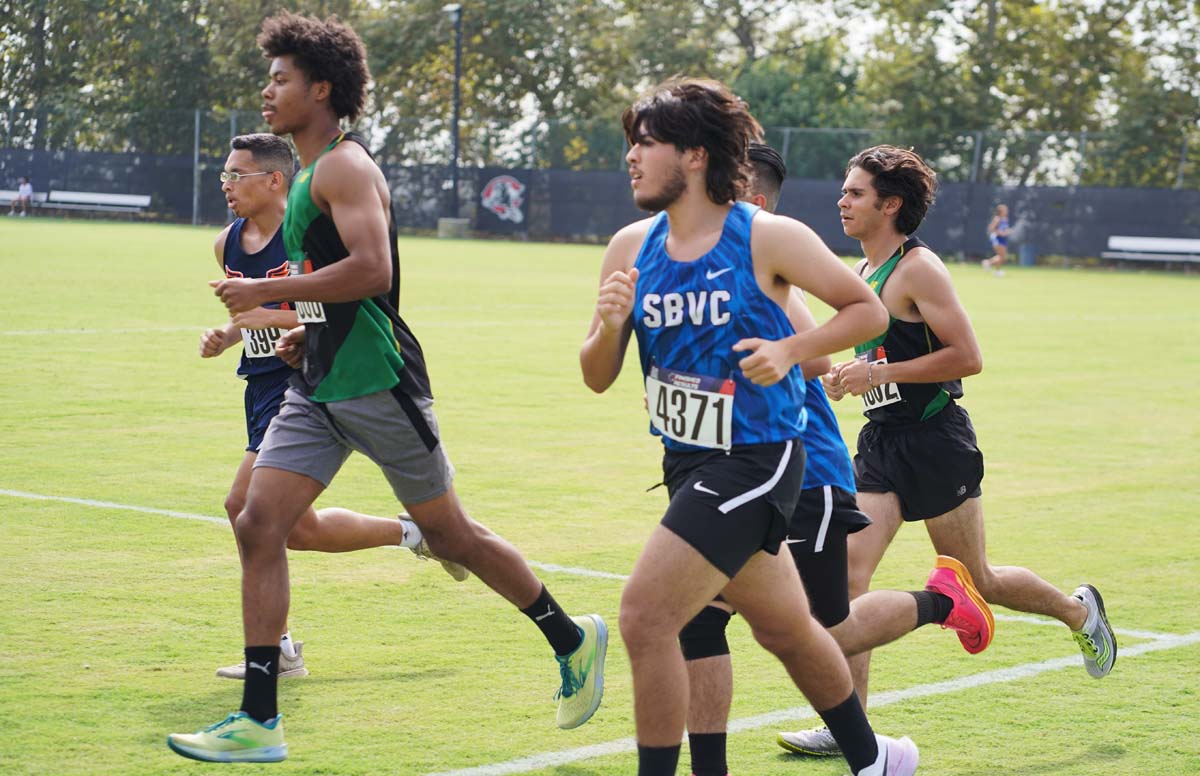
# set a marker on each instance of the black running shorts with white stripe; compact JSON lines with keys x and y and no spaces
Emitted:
{"x":729,"y":506}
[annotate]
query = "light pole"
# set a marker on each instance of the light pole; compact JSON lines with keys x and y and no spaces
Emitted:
{"x":456,"y":13}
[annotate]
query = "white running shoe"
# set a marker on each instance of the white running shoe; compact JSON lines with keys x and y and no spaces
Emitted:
{"x":456,"y":570}
{"x":1095,"y":639}
{"x":818,"y":742}
{"x":288,"y":666}
{"x":901,"y":757}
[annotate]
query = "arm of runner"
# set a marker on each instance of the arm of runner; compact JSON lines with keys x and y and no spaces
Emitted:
{"x":802,"y":320}
{"x":214,"y":342}
{"x":346,"y":185}
{"x":266,"y":318}
{"x":788,"y":249}
{"x":603,"y":350}
{"x":928,"y":284}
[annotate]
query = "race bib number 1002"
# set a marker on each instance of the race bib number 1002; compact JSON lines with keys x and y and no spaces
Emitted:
{"x":260,"y":343}
{"x":880,"y":395}
{"x":692,"y":409}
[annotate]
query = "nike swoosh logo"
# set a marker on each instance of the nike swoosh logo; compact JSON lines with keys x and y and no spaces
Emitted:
{"x":265,"y":669}
{"x":700,"y":487}
{"x":795,"y":541}
{"x":711,"y":275}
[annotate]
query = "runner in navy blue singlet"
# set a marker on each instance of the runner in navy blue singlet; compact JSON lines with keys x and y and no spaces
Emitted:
{"x":255,"y":182}
{"x":704,"y":285}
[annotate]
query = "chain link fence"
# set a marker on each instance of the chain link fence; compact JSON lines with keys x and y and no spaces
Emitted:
{"x":569,"y":174}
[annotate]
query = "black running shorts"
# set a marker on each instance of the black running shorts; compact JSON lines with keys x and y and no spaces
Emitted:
{"x":729,"y":506}
{"x":932,"y":466}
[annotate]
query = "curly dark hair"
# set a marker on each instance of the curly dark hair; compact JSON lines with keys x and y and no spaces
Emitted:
{"x":699,"y":113}
{"x":324,"y":51}
{"x":900,"y":172}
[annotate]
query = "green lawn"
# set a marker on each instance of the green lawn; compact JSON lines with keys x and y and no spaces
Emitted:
{"x":114,"y":620}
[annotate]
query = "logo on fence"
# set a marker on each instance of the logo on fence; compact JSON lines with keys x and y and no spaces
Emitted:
{"x":504,"y":195}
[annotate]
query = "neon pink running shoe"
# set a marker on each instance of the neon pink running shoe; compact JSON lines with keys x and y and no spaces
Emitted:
{"x":970,"y":618}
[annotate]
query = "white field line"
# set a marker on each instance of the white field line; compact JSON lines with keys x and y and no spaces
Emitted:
{"x":87,"y":502}
{"x":551,"y":567}
{"x":61,"y":332}
{"x":790,"y":716}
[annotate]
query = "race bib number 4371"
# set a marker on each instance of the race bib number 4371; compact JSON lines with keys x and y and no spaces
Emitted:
{"x":692,"y":409}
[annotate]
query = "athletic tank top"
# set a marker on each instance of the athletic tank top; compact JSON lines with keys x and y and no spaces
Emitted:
{"x":258,"y":351}
{"x":828,"y":459}
{"x":896,"y":403}
{"x":352,"y":348}
{"x":687,"y":317}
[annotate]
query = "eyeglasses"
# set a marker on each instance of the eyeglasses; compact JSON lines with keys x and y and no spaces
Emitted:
{"x":234,"y":177}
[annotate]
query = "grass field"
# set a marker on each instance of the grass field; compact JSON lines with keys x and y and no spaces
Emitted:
{"x":115,"y":618}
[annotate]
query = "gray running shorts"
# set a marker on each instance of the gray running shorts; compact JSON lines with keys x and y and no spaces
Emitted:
{"x":396,"y":431}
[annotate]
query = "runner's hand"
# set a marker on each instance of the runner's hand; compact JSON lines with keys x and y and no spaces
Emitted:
{"x":829,"y":381}
{"x":239,"y":294}
{"x":615,"y":301}
{"x":213,"y":343}
{"x":290,"y":347}
{"x":853,"y":377}
{"x":768,"y":362}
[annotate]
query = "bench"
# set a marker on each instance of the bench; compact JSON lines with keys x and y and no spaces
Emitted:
{"x":1165,"y":249}
{"x":7,"y":196}
{"x":89,"y":200}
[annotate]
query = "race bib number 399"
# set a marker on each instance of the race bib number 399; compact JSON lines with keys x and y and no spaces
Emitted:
{"x":880,"y":395}
{"x":692,"y":409}
{"x":260,"y":343}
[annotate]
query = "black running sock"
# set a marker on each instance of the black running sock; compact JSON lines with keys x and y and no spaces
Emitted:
{"x":562,"y":633}
{"x":259,"y":699}
{"x":657,"y":760}
{"x":848,"y":723}
{"x":932,"y":606}
{"x":708,"y":754}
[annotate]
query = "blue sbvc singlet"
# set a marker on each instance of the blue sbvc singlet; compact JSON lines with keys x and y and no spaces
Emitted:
{"x":270,"y":262}
{"x":828,"y":461}
{"x":687,"y":317}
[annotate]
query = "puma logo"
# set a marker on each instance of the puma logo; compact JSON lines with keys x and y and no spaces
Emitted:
{"x":265,"y":669}
{"x":549,"y":611}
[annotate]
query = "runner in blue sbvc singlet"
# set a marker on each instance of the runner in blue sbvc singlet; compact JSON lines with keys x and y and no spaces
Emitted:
{"x":688,"y":316}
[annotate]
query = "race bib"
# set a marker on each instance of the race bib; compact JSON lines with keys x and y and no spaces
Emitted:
{"x":880,"y":395}
{"x":692,"y":409}
{"x":310,"y":312}
{"x":260,"y":343}
{"x":307,"y":312}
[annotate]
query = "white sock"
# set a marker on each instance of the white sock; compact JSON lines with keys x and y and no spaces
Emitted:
{"x":287,"y":646}
{"x":412,"y":534}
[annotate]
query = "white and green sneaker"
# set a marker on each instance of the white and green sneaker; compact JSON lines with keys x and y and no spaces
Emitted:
{"x":818,"y":742}
{"x":288,"y":666}
{"x":582,"y":673}
{"x":457,"y":571}
{"x":1095,"y":639}
{"x":238,"y":738}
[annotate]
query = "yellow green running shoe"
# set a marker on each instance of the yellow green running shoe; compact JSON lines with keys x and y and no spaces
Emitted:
{"x":582,"y":673}
{"x":239,"y":738}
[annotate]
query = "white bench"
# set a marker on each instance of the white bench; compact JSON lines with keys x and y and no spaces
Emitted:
{"x":90,"y":200}
{"x":1165,"y":249}
{"x":7,"y":196}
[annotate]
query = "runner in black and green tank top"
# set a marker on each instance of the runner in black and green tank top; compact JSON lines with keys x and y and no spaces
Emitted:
{"x":352,"y":348}
{"x":893,"y":403}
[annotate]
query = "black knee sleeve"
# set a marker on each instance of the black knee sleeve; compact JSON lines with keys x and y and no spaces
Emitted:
{"x":704,"y":636}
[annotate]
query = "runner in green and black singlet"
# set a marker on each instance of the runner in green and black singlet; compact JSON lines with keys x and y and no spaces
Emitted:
{"x":893,"y":403}
{"x":352,"y":348}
